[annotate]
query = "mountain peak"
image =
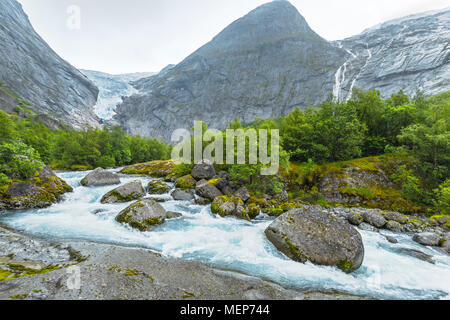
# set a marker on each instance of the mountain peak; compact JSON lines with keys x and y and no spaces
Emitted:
{"x":269,"y":23}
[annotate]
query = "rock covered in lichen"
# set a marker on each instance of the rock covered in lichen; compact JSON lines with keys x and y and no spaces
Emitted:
{"x":126,"y":193}
{"x":143,"y":215}
{"x":42,"y":191}
{"x":100,"y":177}
{"x":308,"y":234}
{"x":229,"y":206}
{"x":157,"y":187}
{"x":158,"y":169}
{"x":186,"y":182}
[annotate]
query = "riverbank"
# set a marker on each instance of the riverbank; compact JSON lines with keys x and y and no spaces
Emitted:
{"x":111,"y":272}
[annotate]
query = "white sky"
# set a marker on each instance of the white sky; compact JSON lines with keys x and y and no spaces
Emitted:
{"x":122,"y":36}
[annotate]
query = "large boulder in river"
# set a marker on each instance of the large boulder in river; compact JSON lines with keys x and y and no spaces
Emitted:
{"x":207,"y":190}
{"x":308,"y":234}
{"x":143,"y":215}
{"x":229,"y":206}
{"x":203,"y":170}
{"x":100,"y":177}
{"x":126,"y":193}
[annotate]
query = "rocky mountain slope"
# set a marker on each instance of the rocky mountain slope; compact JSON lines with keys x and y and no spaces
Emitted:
{"x":262,"y":65}
{"x":270,"y":61}
{"x":29,"y":68}
{"x":412,"y":53}
{"x":111,"y":90}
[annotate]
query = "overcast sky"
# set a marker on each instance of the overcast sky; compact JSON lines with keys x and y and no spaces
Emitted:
{"x":122,"y":36}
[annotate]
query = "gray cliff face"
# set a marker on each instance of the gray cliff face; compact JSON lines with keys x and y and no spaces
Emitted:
{"x":412,"y":53}
{"x":268,"y":62}
{"x":32,"y":70}
{"x":262,"y":65}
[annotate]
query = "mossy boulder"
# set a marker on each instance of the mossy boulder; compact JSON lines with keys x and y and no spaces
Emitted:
{"x":126,"y":193}
{"x":186,"y":182}
{"x":261,"y":201}
{"x":143,"y":215}
{"x":41,"y":191}
{"x":157,"y":187}
{"x":308,"y":234}
{"x":253,"y":210}
{"x":100,"y":177}
{"x":158,"y":169}
{"x":229,"y":206}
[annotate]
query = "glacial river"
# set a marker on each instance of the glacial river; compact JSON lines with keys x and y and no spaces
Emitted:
{"x":233,"y":244}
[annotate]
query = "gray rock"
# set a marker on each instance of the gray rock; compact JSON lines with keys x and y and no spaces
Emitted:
{"x":282,"y":196}
{"x":182,"y":195}
{"x":157,"y":187}
{"x":243,"y":194}
{"x":374,"y":218}
{"x":203,"y":170}
{"x":126,"y":193}
{"x":34,"y":72}
{"x":391,"y":239}
{"x":207,"y":190}
{"x":445,"y":243}
{"x":395,"y":216}
{"x":416,"y":254}
{"x":100,"y":177}
{"x":173,"y":215}
{"x":221,"y":184}
{"x":394,"y":226}
{"x":367,"y":227}
{"x":202,"y":201}
{"x":227,"y":190}
{"x":308,"y":234}
{"x":19,"y":189}
{"x":427,"y":239}
{"x":143,"y":215}
{"x":354,"y":218}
